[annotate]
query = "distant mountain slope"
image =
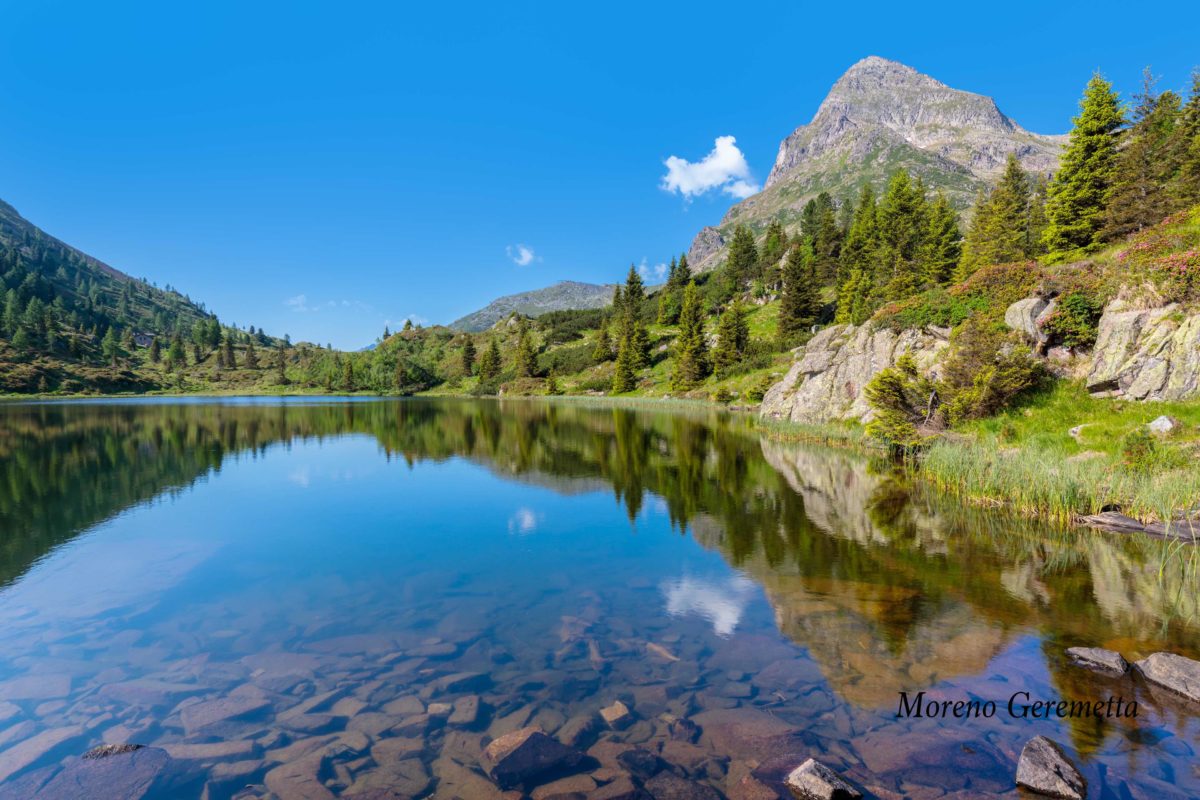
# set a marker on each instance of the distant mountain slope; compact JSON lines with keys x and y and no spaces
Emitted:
{"x":82,"y":292}
{"x":559,"y":297}
{"x":881,"y":116}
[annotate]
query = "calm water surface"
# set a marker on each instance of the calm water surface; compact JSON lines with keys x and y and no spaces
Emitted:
{"x":289,"y":598}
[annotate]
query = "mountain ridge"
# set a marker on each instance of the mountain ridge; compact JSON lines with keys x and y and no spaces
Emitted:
{"x":878,"y":117}
{"x":561,"y":296}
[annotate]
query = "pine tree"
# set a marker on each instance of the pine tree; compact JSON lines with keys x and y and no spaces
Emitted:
{"x":740,"y":263}
{"x":155,"y":351}
{"x":489,"y":362}
{"x":633,"y":332}
{"x":623,"y":378}
{"x":468,"y":356}
{"x":827,"y":240}
{"x":552,"y":384}
{"x":251,"y":355}
{"x":281,"y":367}
{"x":799,"y":303}
{"x":603,"y":350}
{"x":1145,"y":164}
{"x":1080,"y":192}
{"x":1185,"y":184}
{"x":110,"y":346}
{"x":230,"y":360}
{"x":347,"y":376}
{"x":1000,"y":227}
{"x":901,"y":226}
{"x":942,"y":246}
{"x":858,"y":250}
{"x":691,"y":348}
{"x":526,"y":354}
{"x":733,"y":337}
{"x":774,"y":248}
{"x":175,"y":355}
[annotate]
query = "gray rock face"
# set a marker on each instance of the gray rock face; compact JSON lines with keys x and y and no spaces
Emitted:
{"x":826,"y":380}
{"x":812,"y":780}
{"x":708,"y":244}
{"x":1146,"y":354}
{"x":1098,"y":659}
{"x":1023,"y":316}
{"x":1046,"y":770}
{"x":517,"y":757}
{"x":1176,"y":673}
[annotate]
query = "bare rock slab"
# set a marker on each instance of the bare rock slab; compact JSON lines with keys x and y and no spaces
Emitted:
{"x":1175,"y":673}
{"x":812,"y":780}
{"x":112,"y":772}
{"x":1099,"y":660}
{"x":521,"y":756}
{"x":1044,"y":768}
{"x":617,"y":716}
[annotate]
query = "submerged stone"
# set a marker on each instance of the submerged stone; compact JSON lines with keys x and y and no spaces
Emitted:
{"x":1045,"y":769}
{"x":516,"y":758}
{"x":617,"y":716}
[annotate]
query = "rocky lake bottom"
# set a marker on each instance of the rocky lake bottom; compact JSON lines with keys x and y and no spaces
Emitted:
{"x":480,"y":599}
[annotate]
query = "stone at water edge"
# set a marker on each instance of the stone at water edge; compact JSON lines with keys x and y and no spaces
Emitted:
{"x":812,"y":780}
{"x":1098,"y":659}
{"x":1176,"y":673}
{"x":516,"y":757}
{"x":1045,"y":769}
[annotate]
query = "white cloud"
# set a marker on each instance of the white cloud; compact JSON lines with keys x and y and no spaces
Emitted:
{"x":297,"y":303}
{"x":721,"y":602}
{"x":521,"y":254}
{"x":725,"y":168}
{"x":655,"y":274}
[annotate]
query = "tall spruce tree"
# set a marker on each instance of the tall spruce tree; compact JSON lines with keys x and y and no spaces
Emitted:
{"x":526,"y":354}
{"x":468,"y":356}
{"x":633,"y":331}
{"x":901,"y":221}
{"x":691,"y":348}
{"x":1000,"y":226}
{"x":799,"y":302}
{"x":740,"y":263}
{"x":1081,"y":189}
{"x":774,"y":248}
{"x":826,"y":239}
{"x":603,"y":350}
{"x":1185,"y":184}
{"x":489,"y":362}
{"x":733,"y":337}
{"x":942,"y":245}
{"x":624,"y":378}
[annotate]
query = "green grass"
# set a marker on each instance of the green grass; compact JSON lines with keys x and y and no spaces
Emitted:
{"x":1025,"y":459}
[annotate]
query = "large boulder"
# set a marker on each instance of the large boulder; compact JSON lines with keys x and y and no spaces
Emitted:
{"x":1044,"y":768}
{"x":827,"y":378}
{"x":1146,"y":354}
{"x":1176,"y":673}
{"x":1024,"y":316}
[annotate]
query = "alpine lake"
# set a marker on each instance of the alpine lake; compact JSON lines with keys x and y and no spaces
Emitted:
{"x":307,"y":598}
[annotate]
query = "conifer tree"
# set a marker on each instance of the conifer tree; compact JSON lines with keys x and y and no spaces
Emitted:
{"x":489,"y":362}
{"x":468,"y":356}
{"x":623,"y":378}
{"x":526,"y":354}
{"x":603,"y":350}
{"x":347,"y":376}
{"x":691,"y":348}
{"x":858,"y":251}
{"x":827,"y":239}
{"x":942,"y":246}
{"x":1000,"y":227}
{"x":252,"y":355}
{"x":733,"y":337}
{"x":155,"y":351}
{"x":773,"y":250}
{"x":281,"y":367}
{"x":230,"y":360}
{"x":740,"y":263}
{"x":110,"y":346}
{"x":1185,"y":184}
{"x":901,"y":222}
{"x":633,"y":331}
{"x":1145,"y":164}
{"x":799,"y":302}
{"x":1081,"y":189}
{"x":175,"y":354}
{"x":552,"y":384}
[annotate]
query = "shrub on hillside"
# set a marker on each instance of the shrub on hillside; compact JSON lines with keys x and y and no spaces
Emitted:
{"x":902,"y":399}
{"x":986,"y":370}
{"x":1075,"y":321}
{"x":1167,"y":256}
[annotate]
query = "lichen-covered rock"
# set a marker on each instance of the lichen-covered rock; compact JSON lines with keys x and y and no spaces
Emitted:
{"x":1146,"y":354}
{"x":1044,"y":768}
{"x":827,"y":379}
{"x":1023,"y":316}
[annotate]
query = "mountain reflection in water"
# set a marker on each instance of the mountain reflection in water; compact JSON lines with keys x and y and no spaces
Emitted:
{"x":873,"y":588}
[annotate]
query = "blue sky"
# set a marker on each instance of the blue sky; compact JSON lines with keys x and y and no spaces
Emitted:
{"x":324,"y":169}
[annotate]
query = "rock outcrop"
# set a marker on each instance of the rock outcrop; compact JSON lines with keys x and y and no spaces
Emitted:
{"x":1046,"y":770}
{"x":1146,"y":354}
{"x":827,"y":379}
{"x":1173,"y":672}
